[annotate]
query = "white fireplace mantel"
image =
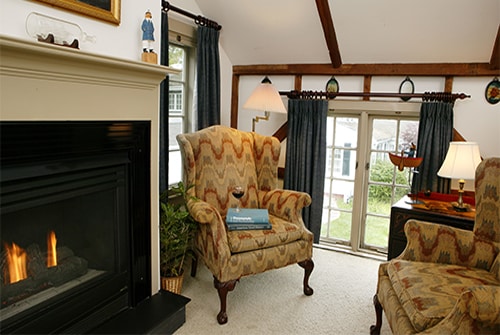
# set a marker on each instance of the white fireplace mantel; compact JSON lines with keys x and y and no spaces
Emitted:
{"x":44,"y":82}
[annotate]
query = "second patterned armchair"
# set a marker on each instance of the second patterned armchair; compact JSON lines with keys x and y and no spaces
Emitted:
{"x":447,"y":280}
{"x":215,"y":160}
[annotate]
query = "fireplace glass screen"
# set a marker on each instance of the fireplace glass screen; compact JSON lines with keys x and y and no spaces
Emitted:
{"x":65,"y":234}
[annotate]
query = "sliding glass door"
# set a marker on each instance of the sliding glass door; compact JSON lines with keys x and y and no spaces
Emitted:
{"x":361,"y":184}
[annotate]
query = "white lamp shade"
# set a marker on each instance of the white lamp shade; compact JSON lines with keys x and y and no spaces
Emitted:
{"x":265,"y":98}
{"x":461,"y":161}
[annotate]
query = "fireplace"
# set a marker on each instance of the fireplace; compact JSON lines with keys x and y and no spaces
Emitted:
{"x":84,"y":186}
{"x":110,"y":104}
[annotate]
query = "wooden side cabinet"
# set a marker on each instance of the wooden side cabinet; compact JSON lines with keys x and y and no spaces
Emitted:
{"x":431,"y":210}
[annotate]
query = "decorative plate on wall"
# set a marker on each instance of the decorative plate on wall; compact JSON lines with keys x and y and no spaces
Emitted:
{"x":332,"y":86}
{"x":492,"y":92}
{"x":406,"y":87}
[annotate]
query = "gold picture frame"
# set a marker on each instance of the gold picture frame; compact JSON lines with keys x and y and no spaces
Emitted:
{"x":106,"y":10}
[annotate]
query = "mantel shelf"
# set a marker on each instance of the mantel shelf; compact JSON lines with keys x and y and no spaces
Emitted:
{"x":53,"y":62}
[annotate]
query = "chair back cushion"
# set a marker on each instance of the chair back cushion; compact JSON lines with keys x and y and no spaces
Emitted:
{"x":487,"y":189}
{"x":267,"y":154}
{"x":218,"y":158}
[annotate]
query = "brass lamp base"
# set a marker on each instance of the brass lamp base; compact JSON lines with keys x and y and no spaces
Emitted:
{"x":460,"y":208}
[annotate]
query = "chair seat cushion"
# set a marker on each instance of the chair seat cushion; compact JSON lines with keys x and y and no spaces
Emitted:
{"x":282,"y":232}
{"x":428,"y":291}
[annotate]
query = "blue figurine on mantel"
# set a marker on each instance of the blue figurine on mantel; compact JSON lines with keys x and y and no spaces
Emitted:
{"x":148,"y":30}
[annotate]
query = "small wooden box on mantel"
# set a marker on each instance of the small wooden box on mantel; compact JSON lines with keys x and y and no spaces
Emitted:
{"x":434,"y":208}
{"x":149,"y":57}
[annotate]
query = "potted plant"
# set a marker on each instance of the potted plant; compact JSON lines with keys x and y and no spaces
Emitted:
{"x":177,"y":229}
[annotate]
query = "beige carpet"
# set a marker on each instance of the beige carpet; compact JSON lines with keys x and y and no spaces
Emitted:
{"x":273,"y":302}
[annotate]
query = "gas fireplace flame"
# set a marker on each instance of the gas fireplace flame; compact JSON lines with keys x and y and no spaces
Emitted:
{"x":51,"y":249}
{"x":16,"y":263}
{"x":17,"y":259}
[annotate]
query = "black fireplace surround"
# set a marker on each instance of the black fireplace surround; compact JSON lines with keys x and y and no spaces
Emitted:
{"x":89,"y":183}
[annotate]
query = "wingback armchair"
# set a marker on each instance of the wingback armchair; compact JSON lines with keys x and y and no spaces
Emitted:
{"x":215,"y":160}
{"x":447,"y":280}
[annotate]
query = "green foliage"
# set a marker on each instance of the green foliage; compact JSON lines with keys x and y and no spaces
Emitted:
{"x":177,"y":229}
{"x":175,"y":56}
{"x":382,"y":172}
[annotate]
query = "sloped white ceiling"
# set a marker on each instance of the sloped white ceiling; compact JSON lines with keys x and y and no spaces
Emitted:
{"x":368,"y":31}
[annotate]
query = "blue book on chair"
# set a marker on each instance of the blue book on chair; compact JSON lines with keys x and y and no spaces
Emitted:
{"x":247,"y":218}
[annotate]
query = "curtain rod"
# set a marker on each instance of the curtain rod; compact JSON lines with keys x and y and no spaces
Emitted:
{"x":427,"y":96}
{"x":198,"y":19}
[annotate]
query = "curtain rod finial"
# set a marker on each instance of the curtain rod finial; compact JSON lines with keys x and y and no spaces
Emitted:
{"x":165,"y":5}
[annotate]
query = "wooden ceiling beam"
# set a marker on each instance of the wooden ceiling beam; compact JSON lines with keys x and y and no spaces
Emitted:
{"x":325,"y":16}
{"x":424,"y":69}
{"x":495,"y":54}
{"x":367,"y":86}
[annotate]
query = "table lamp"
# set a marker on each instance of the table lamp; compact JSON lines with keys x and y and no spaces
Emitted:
{"x":265,"y":98}
{"x":460,"y":163}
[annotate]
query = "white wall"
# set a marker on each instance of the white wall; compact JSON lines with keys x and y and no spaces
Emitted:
{"x":122,"y":41}
{"x":475,"y":119}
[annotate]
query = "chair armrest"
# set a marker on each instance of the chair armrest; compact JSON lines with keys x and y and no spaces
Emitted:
{"x":212,"y":230}
{"x":202,"y":212}
{"x":436,"y":243}
{"x":286,"y":204}
{"x":481,"y":303}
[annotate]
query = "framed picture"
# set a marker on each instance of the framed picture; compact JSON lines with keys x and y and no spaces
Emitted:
{"x":106,"y":10}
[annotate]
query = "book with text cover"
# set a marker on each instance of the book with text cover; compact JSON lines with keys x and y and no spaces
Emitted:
{"x":247,"y":215}
{"x":249,"y":226}
{"x":247,"y":218}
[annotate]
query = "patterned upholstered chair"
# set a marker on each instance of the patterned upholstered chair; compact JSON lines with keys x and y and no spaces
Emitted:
{"x":447,"y":280}
{"x":215,"y":160}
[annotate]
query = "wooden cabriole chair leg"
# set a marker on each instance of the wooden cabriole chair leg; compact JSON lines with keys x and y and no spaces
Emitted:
{"x":223,"y":289}
{"x":308,"y":266}
{"x":375,"y":329}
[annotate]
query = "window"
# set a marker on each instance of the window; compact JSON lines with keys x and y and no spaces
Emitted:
{"x":181,"y":53}
{"x":176,"y":111}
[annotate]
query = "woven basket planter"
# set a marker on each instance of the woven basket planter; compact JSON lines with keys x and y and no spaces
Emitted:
{"x":172,"y":284}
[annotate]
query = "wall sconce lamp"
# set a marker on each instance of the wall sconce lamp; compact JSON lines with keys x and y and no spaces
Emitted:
{"x":460,"y":163}
{"x":265,"y":98}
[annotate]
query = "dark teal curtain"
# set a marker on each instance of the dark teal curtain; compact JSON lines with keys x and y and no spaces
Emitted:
{"x":163,"y":164}
{"x":435,"y":132}
{"x":306,"y":156}
{"x":208,"y":77}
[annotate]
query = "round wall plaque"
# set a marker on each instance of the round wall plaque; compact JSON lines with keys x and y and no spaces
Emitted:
{"x":492,"y":92}
{"x":406,"y":87}
{"x":332,"y":86}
